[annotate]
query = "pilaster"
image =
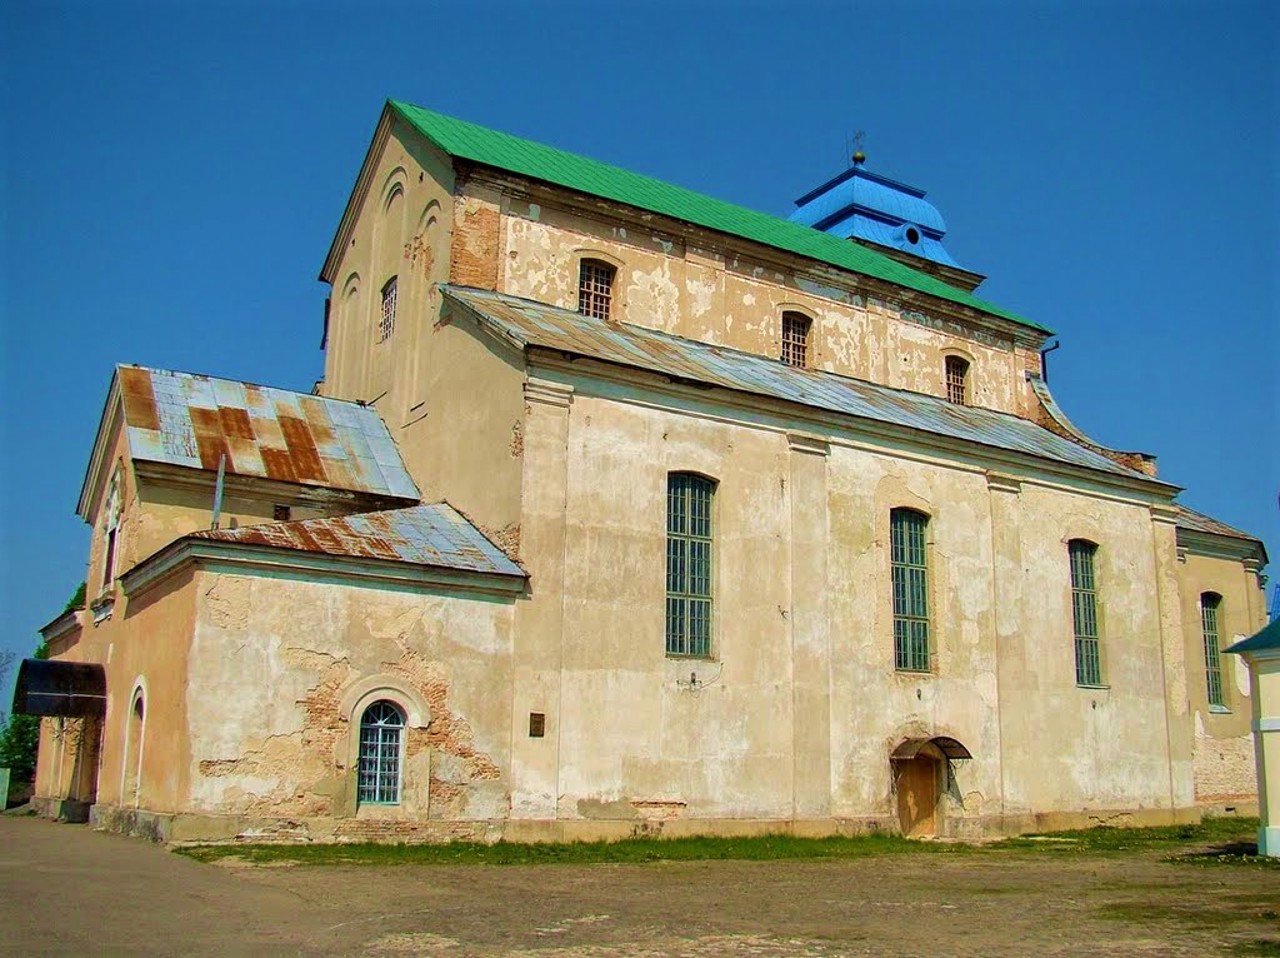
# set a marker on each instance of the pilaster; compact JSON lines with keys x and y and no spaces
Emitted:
{"x":810,"y":633}
{"x":539,"y":618}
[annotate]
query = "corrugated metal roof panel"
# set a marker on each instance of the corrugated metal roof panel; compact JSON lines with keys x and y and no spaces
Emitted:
{"x":537,"y":324}
{"x":431,"y":535}
{"x":527,"y":158}
{"x":183,"y":419}
{"x":1199,"y":522}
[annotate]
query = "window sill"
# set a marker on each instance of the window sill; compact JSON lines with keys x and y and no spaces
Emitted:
{"x":1093,"y":688}
{"x":1219,"y":710}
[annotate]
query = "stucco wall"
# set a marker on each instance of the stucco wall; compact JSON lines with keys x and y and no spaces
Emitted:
{"x":798,"y":709}
{"x":1223,"y":743}
{"x":403,"y":228}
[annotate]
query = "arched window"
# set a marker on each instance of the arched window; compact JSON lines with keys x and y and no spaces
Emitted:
{"x":1210,"y":604}
{"x":595,"y":288}
{"x":909,"y":568}
{"x":1084,"y":612}
{"x":110,"y":530}
{"x":689,"y":564}
{"x":387,"y":325}
{"x":381,"y":742}
{"x":795,"y":339}
{"x":957,"y":375}
{"x":131,"y":782}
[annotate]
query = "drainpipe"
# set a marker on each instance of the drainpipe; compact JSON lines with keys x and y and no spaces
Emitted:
{"x":1044,"y":360}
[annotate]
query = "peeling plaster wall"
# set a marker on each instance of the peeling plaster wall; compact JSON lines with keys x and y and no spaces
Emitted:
{"x":717,"y":294}
{"x":1223,"y":743}
{"x":282,"y":747}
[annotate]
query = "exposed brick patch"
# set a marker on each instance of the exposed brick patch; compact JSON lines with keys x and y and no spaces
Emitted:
{"x":517,"y":440}
{"x":474,"y":255}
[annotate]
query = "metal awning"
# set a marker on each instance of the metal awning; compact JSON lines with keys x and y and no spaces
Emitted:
{"x":53,"y":687}
{"x":949,"y":747}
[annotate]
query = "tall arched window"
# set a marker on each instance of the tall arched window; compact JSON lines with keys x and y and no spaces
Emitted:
{"x":909,"y":568}
{"x":1210,"y":605}
{"x":689,"y":564}
{"x":595,"y":288}
{"x":957,"y":375}
{"x":381,"y":743}
{"x":110,"y":530}
{"x":1084,"y":612}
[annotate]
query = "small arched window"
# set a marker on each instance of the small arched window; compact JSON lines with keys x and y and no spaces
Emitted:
{"x":387,"y":325}
{"x":957,"y":375}
{"x":1210,"y":607}
{"x":795,"y":339}
{"x":595,"y":288}
{"x":381,"y":744}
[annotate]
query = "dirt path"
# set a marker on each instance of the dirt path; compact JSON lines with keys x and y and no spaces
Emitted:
{"x":67,"y":890}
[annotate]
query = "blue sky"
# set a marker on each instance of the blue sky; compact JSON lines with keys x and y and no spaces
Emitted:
{"x":174,"y":172}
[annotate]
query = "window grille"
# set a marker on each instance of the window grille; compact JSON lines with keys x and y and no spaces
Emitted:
{"x":910,"y":575}
{"x":1209,"y":605}
{"x":595,"y":288}
{"x":795,"y":339}
{"x":381,"y":732}
{"x":957,"y":373}
{"x":689,"y":564}
{"x":388,"y":324}
{"x":1084,"y":612}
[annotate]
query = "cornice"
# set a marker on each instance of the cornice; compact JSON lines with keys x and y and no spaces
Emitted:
{"x":1215,"y":546}
{"x":109,"y":425}
{"x":548,"y":393}
{"x":237,"y":558}
{"x":359,"y":192}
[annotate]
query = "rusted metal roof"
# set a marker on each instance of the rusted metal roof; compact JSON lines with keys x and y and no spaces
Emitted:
{"x":183,"y":419}
{"x":431,"y":535}
{"x":526,"y":323}
{"x":1199,"y":522}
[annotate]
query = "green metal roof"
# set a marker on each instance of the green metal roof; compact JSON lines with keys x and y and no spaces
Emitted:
{"x":527,"y":158}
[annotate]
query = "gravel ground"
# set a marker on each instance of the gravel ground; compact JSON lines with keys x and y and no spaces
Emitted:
{"x":69,"y":890}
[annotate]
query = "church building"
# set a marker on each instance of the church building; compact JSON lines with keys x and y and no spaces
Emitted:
{"x":621,"y":510}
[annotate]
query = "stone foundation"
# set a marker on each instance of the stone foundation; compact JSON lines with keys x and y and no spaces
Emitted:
{"x":219,"y":829}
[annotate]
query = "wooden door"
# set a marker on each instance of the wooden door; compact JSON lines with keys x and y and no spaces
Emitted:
{"x":918,"y":796}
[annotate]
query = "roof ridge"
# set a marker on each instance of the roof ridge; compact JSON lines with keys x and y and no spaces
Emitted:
{"x":540,"y":161}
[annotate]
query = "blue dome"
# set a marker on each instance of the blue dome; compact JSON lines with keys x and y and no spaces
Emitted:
{"x":867,"y":206}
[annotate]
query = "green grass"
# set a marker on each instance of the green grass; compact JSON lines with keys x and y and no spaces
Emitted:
{"x":636,"y":850}
{"x":1215,"y":841}
{"x":1228,"y":832}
